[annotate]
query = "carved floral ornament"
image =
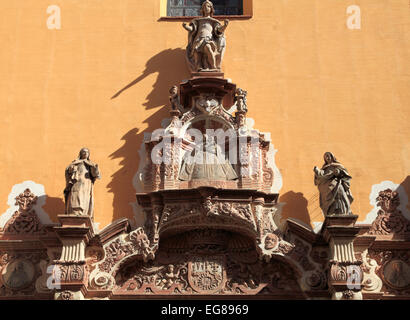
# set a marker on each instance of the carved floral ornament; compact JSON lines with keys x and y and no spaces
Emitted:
{"x":389,"y":219}
{"x":25,"y":220}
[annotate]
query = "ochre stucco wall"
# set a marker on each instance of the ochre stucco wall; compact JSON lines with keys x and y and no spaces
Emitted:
{"x":313,"y":83}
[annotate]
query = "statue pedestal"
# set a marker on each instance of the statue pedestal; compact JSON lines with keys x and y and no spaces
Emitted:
{"x":75,"y":227}
{"x":207,"y":74}
{"x":345,"y":274}
{"x":75,"y":233}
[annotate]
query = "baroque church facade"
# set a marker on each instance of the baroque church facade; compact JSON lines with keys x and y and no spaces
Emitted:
{"x":209,"y":220}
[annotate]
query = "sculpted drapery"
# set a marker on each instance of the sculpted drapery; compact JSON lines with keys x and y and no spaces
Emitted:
{"x":206,"y":41}
{"x":80,"y":177}
{"x":333,"y":182}
{"x":207,"y":164}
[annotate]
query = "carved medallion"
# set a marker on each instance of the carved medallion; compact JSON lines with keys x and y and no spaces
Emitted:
{"x":397,"y":274}
{"x":206,"y":274}
{"x":18,"y":274}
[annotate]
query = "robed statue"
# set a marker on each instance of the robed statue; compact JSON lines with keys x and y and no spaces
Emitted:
{"x":80,"y":176}
{"x":206,"y":41}
{"x":333,"y":182}
{"x":207,"y":162}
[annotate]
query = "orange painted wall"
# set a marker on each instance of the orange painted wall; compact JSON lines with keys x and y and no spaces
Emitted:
{"x":313,"y":83}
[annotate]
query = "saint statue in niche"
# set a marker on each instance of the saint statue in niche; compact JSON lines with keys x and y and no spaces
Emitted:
{"x":80,"y":176}
{"x":207,"y":162}
{"x":206,"y":41}
{"x":333,"y":182}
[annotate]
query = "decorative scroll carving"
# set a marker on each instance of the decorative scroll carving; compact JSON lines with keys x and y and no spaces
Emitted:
{"x":227,"y":214}
{"x":137,"y":244}
{"x":25,"y":220}
{"x":267,"y":171}
{"x":101,"y":281}
{"x":114,"y":252}
{"x":389,"y":219}
{"x":93,"y":256}
{"x":371,"y":282}
{"x":300,"y":253}
{"x":42,"y":283}
{"x":220,"y":112}
{"x":68,"y":272}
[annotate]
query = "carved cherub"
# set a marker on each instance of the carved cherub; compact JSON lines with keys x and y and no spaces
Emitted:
{"x":240,"y":99}
{"x":174,"y":99}
{"x":170,"y":277}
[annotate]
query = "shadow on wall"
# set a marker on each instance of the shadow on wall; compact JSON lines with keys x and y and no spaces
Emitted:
{"x":171,"y":68}
{"x":53,"y":206}
{"x":406,"y":185}
{"x":295,"y":207}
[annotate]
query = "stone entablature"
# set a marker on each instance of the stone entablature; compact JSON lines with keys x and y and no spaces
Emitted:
{"x":290,"y":261}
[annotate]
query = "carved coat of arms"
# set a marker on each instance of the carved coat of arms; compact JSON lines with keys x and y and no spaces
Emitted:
{"x":206,"y":274}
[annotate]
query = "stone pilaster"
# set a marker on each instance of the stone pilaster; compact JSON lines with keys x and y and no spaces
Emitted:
{"x":345,"y":274}
{"x":75,"y":233}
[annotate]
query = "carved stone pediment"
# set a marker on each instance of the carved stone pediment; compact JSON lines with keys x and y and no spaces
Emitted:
{"x":24,"y":221}
{"x":174,"y":211}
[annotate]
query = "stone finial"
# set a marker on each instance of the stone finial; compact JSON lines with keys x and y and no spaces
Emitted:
{"x":26,"y":200}
{"x":388,"y":200}
{"x":25,"y":220}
